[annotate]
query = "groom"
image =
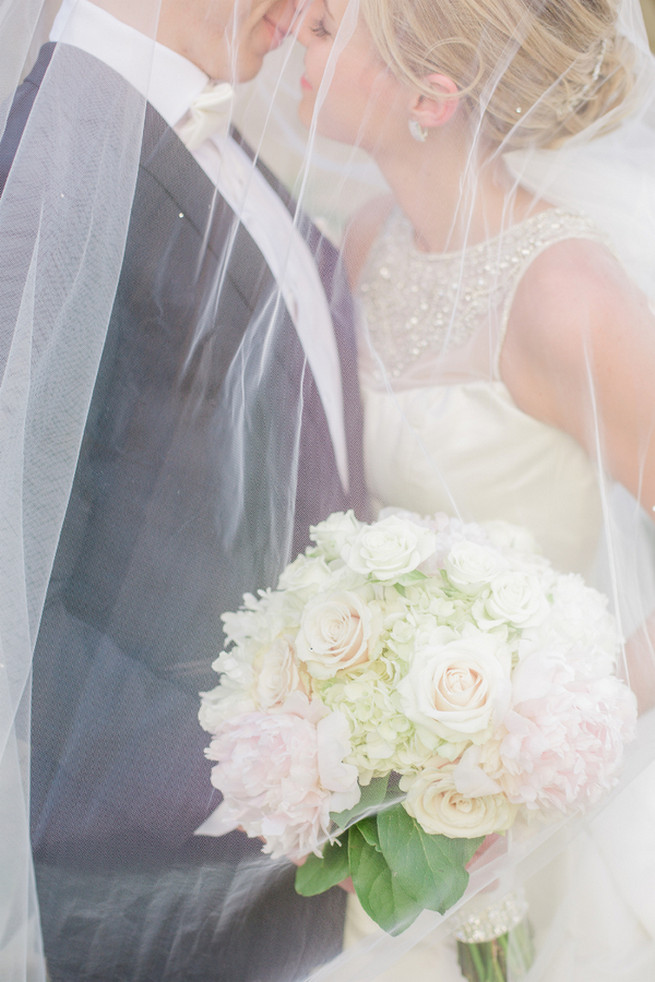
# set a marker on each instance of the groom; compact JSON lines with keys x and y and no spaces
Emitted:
{"x":180,"y":504}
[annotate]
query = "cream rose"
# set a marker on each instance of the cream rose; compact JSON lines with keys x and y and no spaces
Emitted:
{"x":275,"y":674}
{"x":456,"y":689}
{"x":389,"y":548}
{"x":440,"y":809}
{"x":336,"y":633}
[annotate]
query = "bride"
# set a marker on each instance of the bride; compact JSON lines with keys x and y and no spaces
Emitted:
{"x":506,"y":355}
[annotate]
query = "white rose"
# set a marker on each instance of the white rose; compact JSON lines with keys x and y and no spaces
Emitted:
{"x":471,"y":566}
{"x":515,"y":598}
{"x":440,"y":809}
{"x":336,"y":633}
{"x":275,"y":674}
{"x":331,"y":535}
{"x":389,"y":548}
{"x":456,"y":689}
{"x":305,"y":573}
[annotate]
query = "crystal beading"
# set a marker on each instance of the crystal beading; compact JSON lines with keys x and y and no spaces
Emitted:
{"x":434,"y":302}
{"x":492,"y":921}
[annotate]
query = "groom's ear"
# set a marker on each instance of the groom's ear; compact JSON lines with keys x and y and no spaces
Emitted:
{"x":435,"y":110}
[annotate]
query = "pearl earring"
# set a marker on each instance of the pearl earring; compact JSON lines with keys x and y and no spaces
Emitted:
{"x":418,"y":132}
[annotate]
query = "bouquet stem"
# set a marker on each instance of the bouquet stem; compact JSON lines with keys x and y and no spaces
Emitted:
{"x":496,"y":944}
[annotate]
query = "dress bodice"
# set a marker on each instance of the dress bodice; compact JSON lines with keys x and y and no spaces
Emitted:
{"x":420,"y":305}
{"x":442,"y":432}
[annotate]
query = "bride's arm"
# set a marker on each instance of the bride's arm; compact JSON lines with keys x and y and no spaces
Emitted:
{"x":580,"y":354}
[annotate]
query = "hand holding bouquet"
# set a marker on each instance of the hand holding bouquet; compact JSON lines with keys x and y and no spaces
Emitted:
{"x":410,"y":687}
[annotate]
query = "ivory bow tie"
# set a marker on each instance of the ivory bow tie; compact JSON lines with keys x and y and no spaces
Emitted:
{"x":209,"y":113}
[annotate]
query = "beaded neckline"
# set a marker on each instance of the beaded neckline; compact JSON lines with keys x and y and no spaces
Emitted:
{"x":419,"y":303}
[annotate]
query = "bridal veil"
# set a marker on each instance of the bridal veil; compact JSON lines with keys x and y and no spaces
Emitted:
{"x":64,"y":218}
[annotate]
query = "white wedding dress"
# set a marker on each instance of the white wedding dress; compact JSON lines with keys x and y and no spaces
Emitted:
{"x":442,"y":433}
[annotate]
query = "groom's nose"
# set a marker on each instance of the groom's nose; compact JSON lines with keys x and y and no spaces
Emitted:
{"x":285,"y":15}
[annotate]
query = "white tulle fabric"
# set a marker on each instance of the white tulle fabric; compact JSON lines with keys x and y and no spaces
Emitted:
{"x":590,"y":881}
{"x":56,"y":302}
{"x":446,"y":434}
{"x":426,"y":447}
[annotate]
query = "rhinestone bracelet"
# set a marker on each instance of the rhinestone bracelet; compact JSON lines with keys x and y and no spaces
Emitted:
{"x":491,"y":920}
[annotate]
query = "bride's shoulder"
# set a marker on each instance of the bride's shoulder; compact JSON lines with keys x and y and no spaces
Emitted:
{"x":573,"y":292}
{"x":362,"y":231}
{"x":575,"y":310}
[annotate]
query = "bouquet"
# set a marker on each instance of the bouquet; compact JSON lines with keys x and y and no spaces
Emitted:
{"x":410,"y":687}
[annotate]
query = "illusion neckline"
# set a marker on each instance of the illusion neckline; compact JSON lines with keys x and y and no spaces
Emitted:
{"x":400,"y":220}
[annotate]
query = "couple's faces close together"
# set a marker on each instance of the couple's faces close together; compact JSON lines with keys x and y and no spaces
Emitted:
{"x":228,"y":40}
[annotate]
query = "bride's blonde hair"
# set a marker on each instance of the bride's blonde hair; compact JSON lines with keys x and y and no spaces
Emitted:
{"x":538,"y":71}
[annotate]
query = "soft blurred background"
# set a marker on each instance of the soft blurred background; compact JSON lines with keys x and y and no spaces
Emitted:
{"x":648,"y":7}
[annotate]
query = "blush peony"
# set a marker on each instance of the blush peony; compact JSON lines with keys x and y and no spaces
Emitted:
{"x":564,"y":737}
{"x":281,"y":774}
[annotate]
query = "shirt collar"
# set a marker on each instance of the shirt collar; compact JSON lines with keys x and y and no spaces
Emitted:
{"x":167,"y":80}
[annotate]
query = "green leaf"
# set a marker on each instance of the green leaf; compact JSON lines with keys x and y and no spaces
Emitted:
{"x":368,"y":829}
{"x":317,"y":875}
{"x":414,"y":577}
{"x":430,"y":868}
{"x":373,"y":794}
{"x":378,"y":889}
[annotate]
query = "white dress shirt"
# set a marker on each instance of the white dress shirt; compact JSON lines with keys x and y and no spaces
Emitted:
{"x":170,"y":83}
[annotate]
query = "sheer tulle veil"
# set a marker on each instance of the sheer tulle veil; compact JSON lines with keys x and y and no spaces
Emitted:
{"x":64,"y":217}
{"x":56,"y":301}
{"x":594,"y":166}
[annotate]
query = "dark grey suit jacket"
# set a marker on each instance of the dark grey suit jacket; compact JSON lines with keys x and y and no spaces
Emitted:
{"x":149,"y":557}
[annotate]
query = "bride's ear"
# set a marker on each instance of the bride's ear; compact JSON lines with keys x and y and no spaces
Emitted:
{"x":429,"y":111}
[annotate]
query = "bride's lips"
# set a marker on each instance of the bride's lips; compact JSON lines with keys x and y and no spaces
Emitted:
{"x":304,"y":84}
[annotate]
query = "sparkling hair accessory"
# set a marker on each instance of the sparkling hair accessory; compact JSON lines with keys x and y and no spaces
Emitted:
{"x":588,"y":89}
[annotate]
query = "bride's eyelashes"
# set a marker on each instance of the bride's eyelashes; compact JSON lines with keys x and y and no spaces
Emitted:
{"x":319,"y":29}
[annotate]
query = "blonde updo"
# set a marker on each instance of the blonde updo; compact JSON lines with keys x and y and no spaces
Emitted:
{"x":535,"y":72}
